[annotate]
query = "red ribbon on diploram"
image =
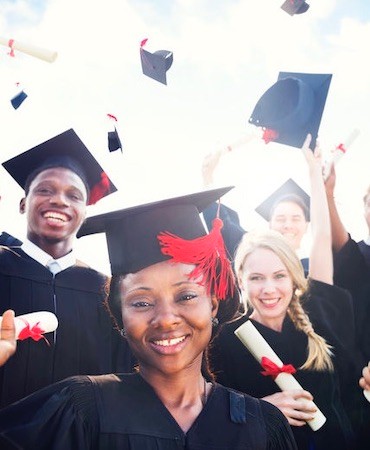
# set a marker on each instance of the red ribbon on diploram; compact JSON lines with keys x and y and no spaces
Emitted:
{"x":273,"y":370}
{"x":269,"y":135}
{"x":34,"y":333}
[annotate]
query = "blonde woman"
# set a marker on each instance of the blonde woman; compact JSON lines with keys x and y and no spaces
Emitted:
{"x":307,"y":322}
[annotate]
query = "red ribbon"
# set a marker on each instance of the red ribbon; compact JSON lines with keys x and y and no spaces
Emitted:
{"x":34,"y":333}
{"x":11,"y":43}
{"x":111,"y":116}
{"x":143,"y":42}
{"x":342,"y":148}
{"x":273,"y":370}
{"x":269,"y":135}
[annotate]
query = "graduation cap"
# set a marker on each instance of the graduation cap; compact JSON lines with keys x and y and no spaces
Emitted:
{"x":64,"y":150}
{"x":18,"y":99}
{"x":293,"y":7}
{"x":292,"y":107}
{"x":144,"y":235}
{"x":114,"y":142}
{"x":155,"y":65}
{"x":289,"y":191}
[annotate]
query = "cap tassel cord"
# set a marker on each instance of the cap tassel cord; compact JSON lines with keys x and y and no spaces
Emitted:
{"x":207,"y":253}
{"x":100,"y":189}
{"x":269,"y":135}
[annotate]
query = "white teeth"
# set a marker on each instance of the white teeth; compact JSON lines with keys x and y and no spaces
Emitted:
{"x":271,"y":301}
{"x":55,"y":215}
{"x":168,"y":342}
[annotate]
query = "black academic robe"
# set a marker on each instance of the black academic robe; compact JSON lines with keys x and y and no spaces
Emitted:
{"x":122,"y":412}
{"x":352,"y":272}
{"x":330,"y":311}
{"x":9,"y":240}
{"x":84,"y":342}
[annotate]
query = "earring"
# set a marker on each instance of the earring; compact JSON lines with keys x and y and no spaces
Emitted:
{"x":215,"y":322}
{"x":122,"y":332}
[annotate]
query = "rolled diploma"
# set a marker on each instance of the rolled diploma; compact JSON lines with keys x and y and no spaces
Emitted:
{"x":258,"y":346}
{"x":46,"y":320}
{"x":32,"y":50}
{"x":338,"y":153}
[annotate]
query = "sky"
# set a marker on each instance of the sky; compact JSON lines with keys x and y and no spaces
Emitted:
{"x":226,"y":54}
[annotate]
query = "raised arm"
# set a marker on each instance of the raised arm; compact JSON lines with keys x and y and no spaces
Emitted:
{"x":321,"y":258}
{"x":339,"y":234}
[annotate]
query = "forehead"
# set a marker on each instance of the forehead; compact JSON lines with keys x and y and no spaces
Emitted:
{"x":60,"y":175}
{"x":288,"y":208}
{"x":162,"y":272}
{"x":263,"y":260}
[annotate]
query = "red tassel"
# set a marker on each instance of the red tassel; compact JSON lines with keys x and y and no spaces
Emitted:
{"x":273,"y":370}
{"x":100,"y":189}
{"x":207,"y":253}
{"x":34,"y":333}
{"x":269,"y":135}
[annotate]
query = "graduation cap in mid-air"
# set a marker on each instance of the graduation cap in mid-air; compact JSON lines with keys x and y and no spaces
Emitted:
{"x":293,"y":7}
{"x":64,"y":150}
{"x":155,"y":65}
{"x":19,"y":97}
{"x":114,"y":141}
{"x":292,"y":107}
{"x":289,"y":191}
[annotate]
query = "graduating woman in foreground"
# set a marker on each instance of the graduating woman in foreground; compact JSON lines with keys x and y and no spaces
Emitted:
{"x":172,"y":287}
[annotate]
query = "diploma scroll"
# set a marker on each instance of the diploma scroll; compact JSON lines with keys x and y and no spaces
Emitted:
{"x":34,"y":325}
{"x":32,"y":50}
{"x":257,"y":345}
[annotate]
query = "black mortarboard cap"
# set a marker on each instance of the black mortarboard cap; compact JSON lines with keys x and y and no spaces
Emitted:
{"x":155,"y":65}
{"x":288,"y":191}
{"x":18,"y":99}
{"x":64,"y":150}
{"x":293,"y":7}
{"x":131,"y":233}
{"x":292,"y":107}
{"x":114,"y":142}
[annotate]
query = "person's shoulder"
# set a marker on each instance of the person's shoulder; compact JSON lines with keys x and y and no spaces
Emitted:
{"x":83,"y":267}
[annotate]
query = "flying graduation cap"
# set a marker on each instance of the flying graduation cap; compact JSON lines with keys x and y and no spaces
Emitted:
{"x":155,"y":65}
{"x":114,"y":141}
{"x":293,"y":7}
{"x":64,"y":150}
{"x":292,"y":107}
{"x":19,"y":97}
{"x":289,"y":191}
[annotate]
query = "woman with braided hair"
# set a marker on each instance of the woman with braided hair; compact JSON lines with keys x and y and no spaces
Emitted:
{"x":307,"y":322}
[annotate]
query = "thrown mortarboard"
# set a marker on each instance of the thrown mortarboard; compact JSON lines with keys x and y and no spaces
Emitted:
{"x":132,"y":233}
{"x":18,"y":99}
{"x":64,"y":150}
{"x":155,"y":65}
{"x":114,"y":142}
{"x":293,"y":7}
{"x":289,"y":191}
{"x":292,"y":107}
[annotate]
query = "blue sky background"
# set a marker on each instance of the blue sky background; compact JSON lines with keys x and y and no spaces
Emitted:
{"x":226,"y":54}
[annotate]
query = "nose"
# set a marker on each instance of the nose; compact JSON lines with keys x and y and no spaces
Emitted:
{"x":58,"y":198}
{"x":165,"y":316}
{"x":268,"y":286}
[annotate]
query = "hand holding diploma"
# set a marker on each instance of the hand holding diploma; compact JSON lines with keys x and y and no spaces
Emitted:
{"x":282,"y":374}
{"x":32,"y":325}
{"x":8,"y":343}
{"x":365,"y":381}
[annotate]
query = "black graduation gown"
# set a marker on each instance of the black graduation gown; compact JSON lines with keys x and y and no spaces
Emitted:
{"x":123,"y":412}
{"x":352,"y":272}
{"x":84,"y":342}
{"x":9,"y":240}
{"x":330,"y":313}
